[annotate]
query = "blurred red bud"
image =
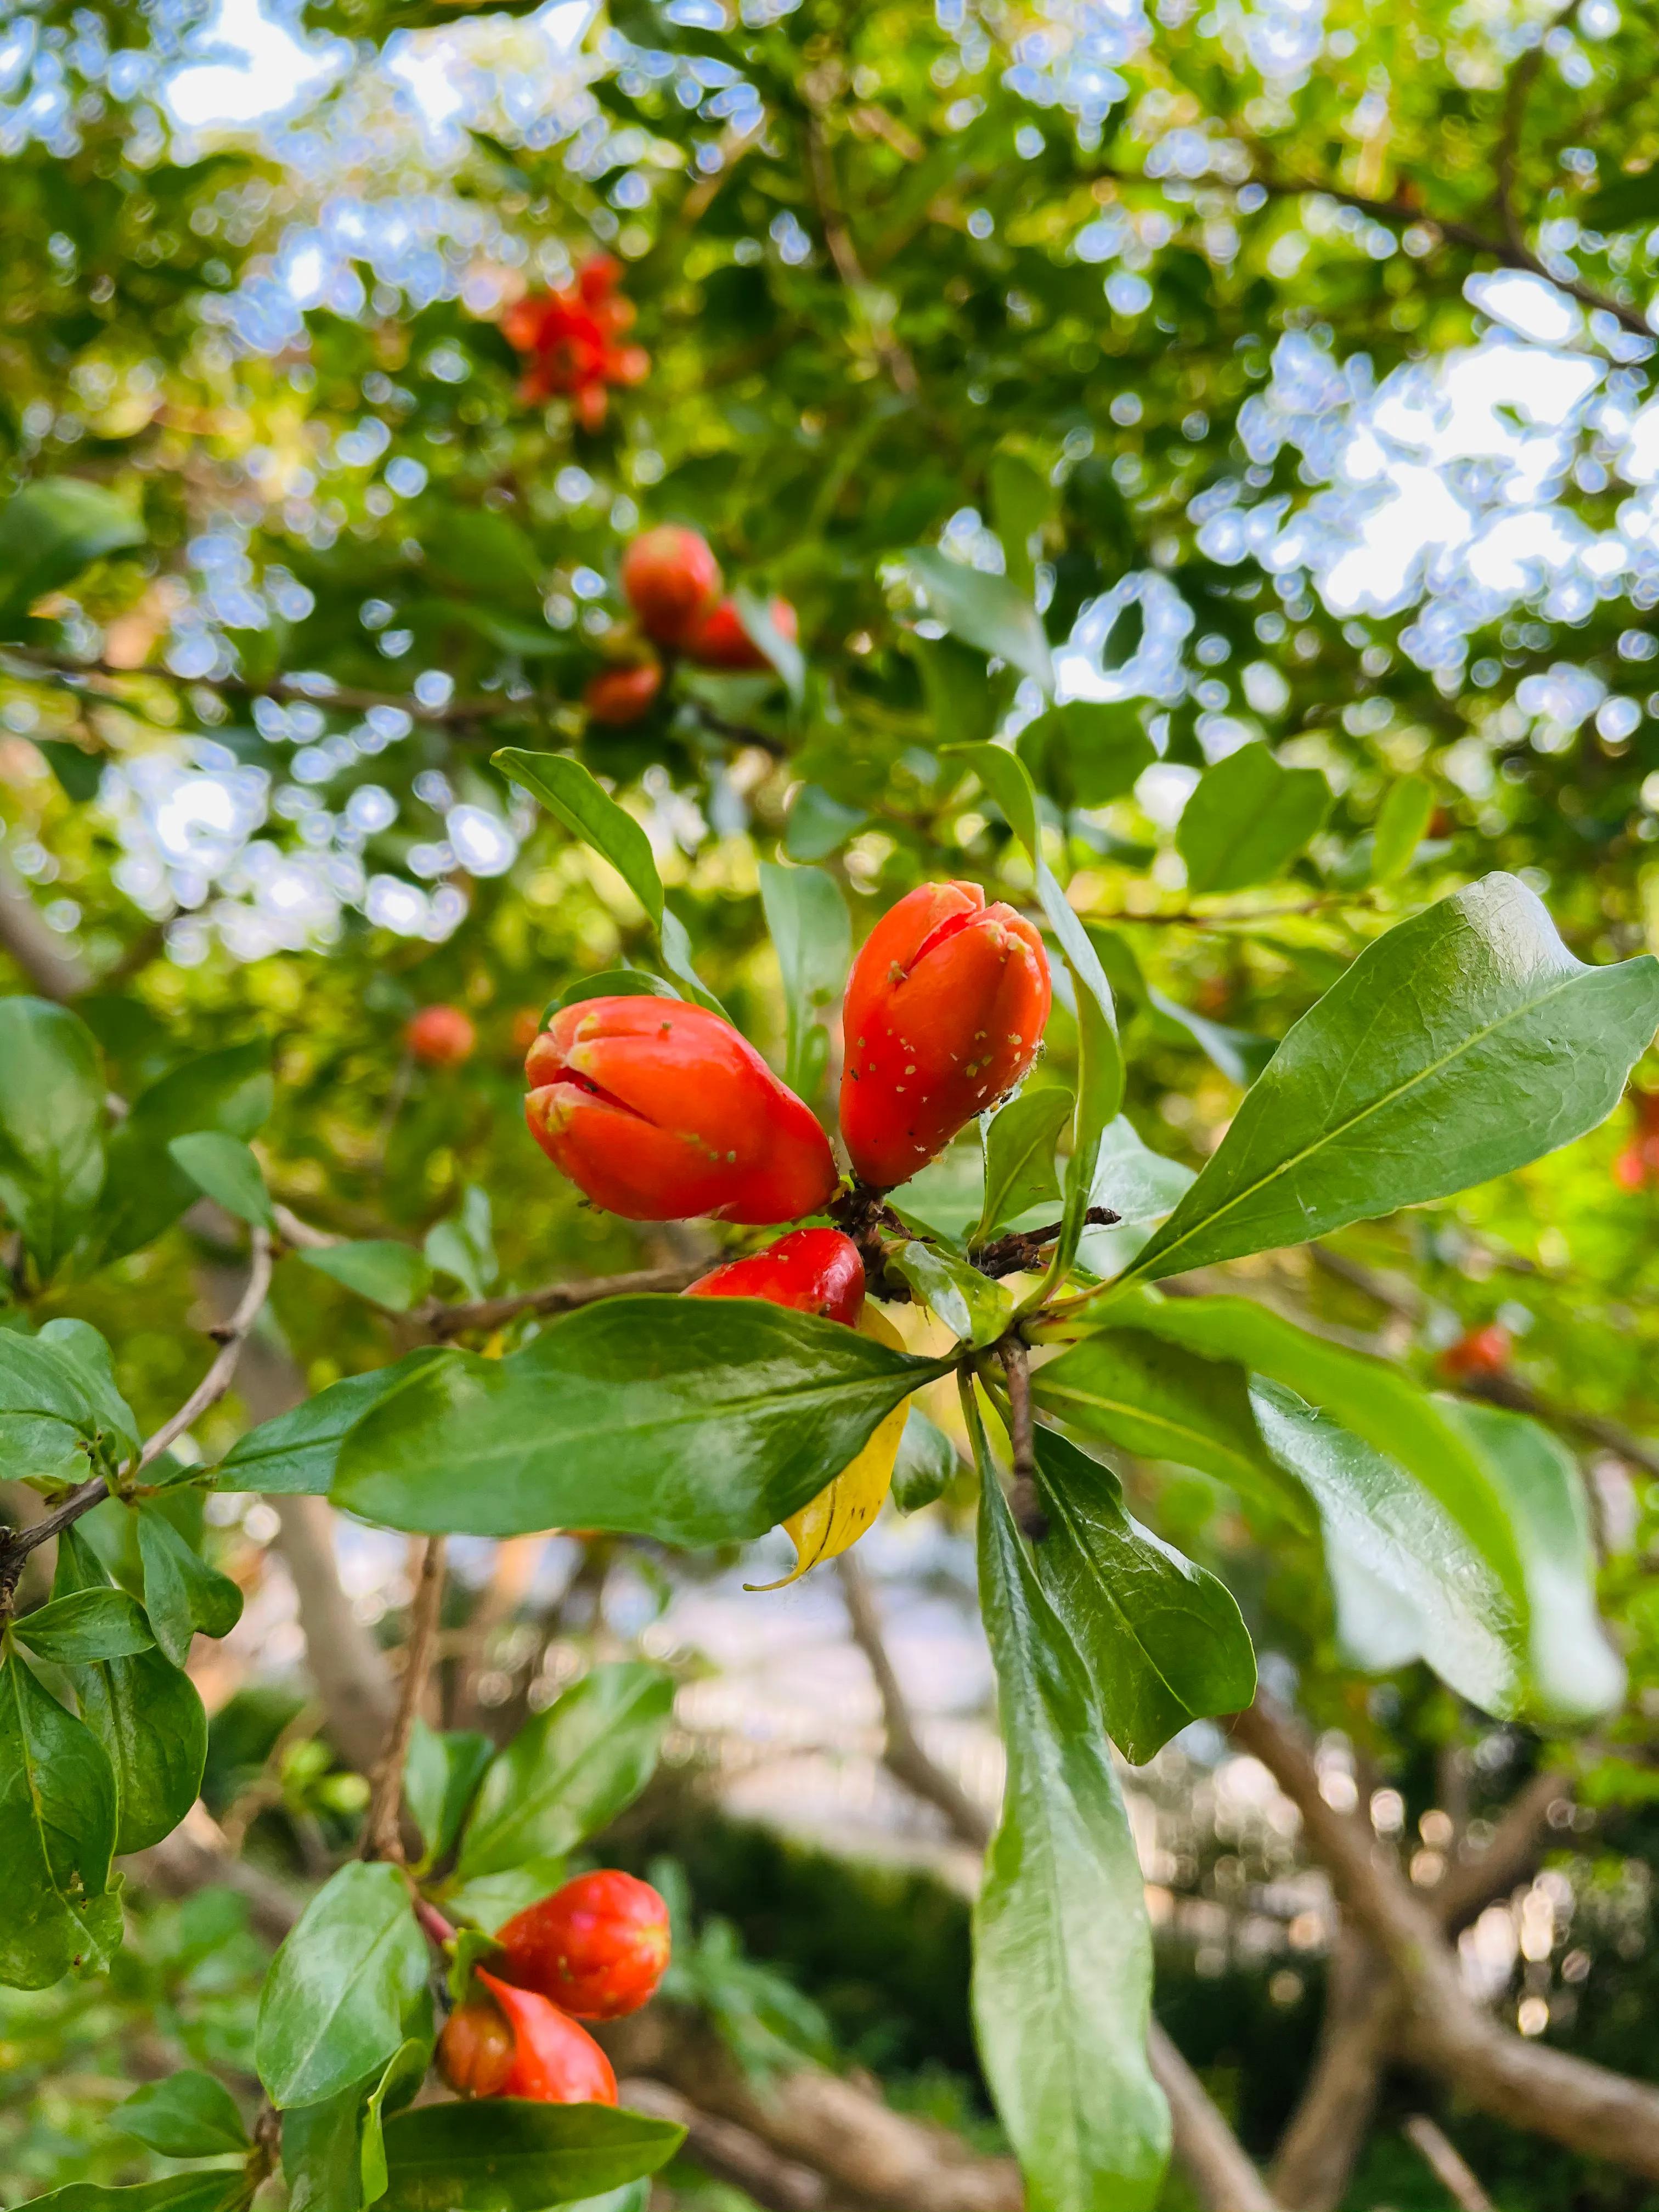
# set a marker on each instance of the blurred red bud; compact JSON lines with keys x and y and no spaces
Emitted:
{"x":441,"y":1036}
{"x":669,"y":575}
{"x":616,"y":696}
{"x":719,"y":640}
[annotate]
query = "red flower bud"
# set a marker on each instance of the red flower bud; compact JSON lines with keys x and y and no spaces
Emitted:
{"x":719,"y":640}
{"x":659,"y":1110}
{"x":669,"y":576}
{"x":816,"y":1270}
{"x":598,"y":1947}
{"x":617,"y":696}
{"x":944,"y":1014}
{"x":475,"y":2051}
{"x":1477,"y":1352}
{"x":554,"y":2060}
{"x":441,"y":1036}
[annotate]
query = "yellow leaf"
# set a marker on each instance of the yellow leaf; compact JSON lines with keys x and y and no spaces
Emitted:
{"x":839,"y":1515}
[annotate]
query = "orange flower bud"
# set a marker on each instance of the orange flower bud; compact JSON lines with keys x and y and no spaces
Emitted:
{"x":475,"y":2051}
{"x":669,"y":575}
{"x":944,"y":1014}
{"x":659,"y":1110}
{"x":598,"y":1947}
{"x":1477,"y":1352}
{"x":814,"y":1270}
{"x":554,"y":2060}
{"x":719,"y":640}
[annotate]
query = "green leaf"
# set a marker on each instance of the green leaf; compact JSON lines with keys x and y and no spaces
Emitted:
{"x":51,"y":1120}
{"x":187,"y":2115}
{"x":693,"y":1420}
{"x":56,"y":1835}
{"x":182,"y":1593}
{"x":219,"y":2191}
{"x":1407,"y":1581}
{"x":493,"y":1899}
{"x":1019,"y":1158}
{"x":569,"y":1770}
{"x":1062,"y":1953}
{"x":1240,"y":1054}
{"x":296,"y":1451}
{"x":986,"y":611}
{"x":52,"y":530}
{"x":322,"y":2152}
{"x":812,"y":933}
{"x":1163,"y":1642}
{"x":440,"y":1777}
{"x":145,"y":1713}
{"x":145,"y":1189}
{"x":1462,"y":1044}
{"x":226,"y":1169}
{"x":783,"y":652}
{"x":1087,"y":752}
{"x":972,"y":1306}
{"x":333,"y":2005}
{"x":472,"y":1946}
{"x":379,"y":1268}
{"x":615,"y":983}
{"x":1141,"y":1186}
{"x":50,"y":1428}
{"x":963,"y":701}
{"x":507,"y":2156}
{"x":1021,"y":498}
{"x":405,"y":2070}
{"x":115,"y":1426}
{"x":465,"y":1247}
{"x":1402,"y":823}
{"x":819,"y":825}
{"x":1247,"y":819}
{"x":926,"y":1463}
{"x":90,"y":1624}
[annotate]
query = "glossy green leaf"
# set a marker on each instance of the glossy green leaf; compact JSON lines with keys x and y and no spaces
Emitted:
{"x":1407,"y":1582}
{"x":50,"y":531}
{"x":1402,"y":823}
{"x":220,"y":2191}
{"x":972,"y":1306}
{"x":225,"y":1169}
{"x":115,"y":1424}
{"x":1247,"y":819}
{"x":493,"y":1899}
{"x":1062,"y":1952}
{"x":1019,"y":1158}
{"x":182,"y":1593}
{"x":1163,"y":1642}
{"x":507,"y":2156}
{"x":379,"y":1268}
{"x":296,"y":1451}
{"x":693,"y":1420}
{"x":1087,"y":752}
{"x":322,"y":2152}
{"x":90,"y":1624}
{"x":963,"y":701}
{"x":986,"y":611}
{"x":145,"y":1189}
{"x":569,"y":1770}
{"x":927,"y":1461}
{"x":441,"y":1776}
{"x":405,"y":2070}
{"x":1240,"y":1054}
{"x":812,"y":933}
{"x":56,"y":1835}
{"x":184,"y":2115}
{"x":51,"y":1120}
{"x":1462,"y":1044}
{"x":1141,"y":1186}
{"x":144,"y":1710}
{"x":333,"y":2006}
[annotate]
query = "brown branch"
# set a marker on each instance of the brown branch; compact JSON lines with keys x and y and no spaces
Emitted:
{"x":381,"y":1838}
{"x":728,"y":2152}
{"x":196,"y":1857}
{"x":1211,"y":2154}
{"x":111,"y":682}
{"x":1470,"y":1884}
{"x":1021,"y":1251}
{"x":55,"y":971}
{"x":1023,"y":1498}
{"x":342,"y":1656}
{"x":1447,"y":2166}
{"x":1326,"y":2132}
{"x":555,"y":1297}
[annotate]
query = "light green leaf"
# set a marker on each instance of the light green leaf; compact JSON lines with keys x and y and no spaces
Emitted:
{"x":695,"y":1420}
{"x":50,"y":531}
{"x":506,"y":2155}
{"x":50,"y":1427}
{"x":963,"y":701}
{"x":614,"y":983}
{"x":819,"y":825}
{"x":333,"y":2005}
{"x":465,"y":1246}
{"x":1141,"y":1186}
{"x":182,"y":1593}
{"x":1019,"y":1158}
{"x":972,"y":1306}
{"x":90,"y":1624}
{"x":812,"y":933}
{"x":296,"y":1451}
{"x":1062,"y":1953}
{"x":56,"y":1835}
{"x":89,"y":1355}
{"x":226,"y":1169}
{"x":1021,"y":498}
{"x":1402,"y":823}
{"x":987,"y":611}
{"x":1248,"y":818}
{"x":379,"y":1268}
{"x":405,"y":2070}
{"x":145,"y":1189}
{"x":186,"y":2115}
{"x":1162,"y":1641}
{"x":440,"y":1777}
{"x":1087,"y":752}
{"x":927,"y":1461}
{"x":1462,"y":1044}
{"x":493,"y":1899}
{"x":569,"y":1770}
{"x":51,"y":1119}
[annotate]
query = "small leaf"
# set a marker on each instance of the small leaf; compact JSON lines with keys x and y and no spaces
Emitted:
{"x":465,"y":1247}
{"x":1087,"y":752}
{"x":405,"y":2070}
{"x":226,"y":1169}
{"x":52,"y":530}
{"x":1019,"y":1158}
{"x":52,"y":1119}
{"x":182,"y":1593}
{"x":187,"y":2115}
{"x":295,"y":1452}
{"x":91,"y":1623}
{"x":49,"y":1425}
{"x":115,"y":1432}
{"x":927,"y":1462}
{"x":812,"y":934}
{"x":1141,"y":1186}
{"x":1247,"y":819}
{"x":440,"y":1778}
{"x":492,"y":1899}
{"x":322,"y":2153}
{"x":987,"y":611}
{"x":569,"y":790}
{"x":334,"y":2002}
{"x":615,"y":983}
{"x":379,"y":1268}
{"x":1627,"y":198}
{"x":56,"y":1835}
{"x":506,"y":2155}
{"x":976,"y":1309}
{"x":145,"y":1189}
{"x":819,"y":825}
{"x":1402,"y":823}
{"x":1021,"y":498}
{"x":219,"y":2191}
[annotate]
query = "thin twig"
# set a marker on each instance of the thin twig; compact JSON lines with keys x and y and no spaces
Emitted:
{"x":382,"y":1836}
{"x":1447,"y":2166}
{"x":1021,"y":1251}
{"x":99,"y":676}
{"x":555,"y":1297}
{"x":1022,"y":1500}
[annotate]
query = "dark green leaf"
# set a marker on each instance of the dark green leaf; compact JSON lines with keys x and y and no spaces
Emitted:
{"x":52,"y":1119}
{"x":322,"y":2152}
{"x":1062,"y":1953}
{"x":440,"y":1778}
{"x":187,"y":2115}
{"x":812,"y":933}
{"x":182,"y":1593}
{"x":144,"y":1187}
{"x":566,"y":788}
{"x":1087,"y":752}
{"x":508,"y":2156}
{"x":226,"y":1169}
{"x":50,"y":1427}
{"x":1462,"y":1044}
{"x":1163,"y":1642}
{"x":333,"y":2005}
{"x":1239,"y":1054}
{"x":219,"y":2191}
{"x":963,"y":703}
{"x":465,"y":1247}
{"x":50,"y":531}
{"x":1402,"y":823}
{"x":1019,"y":1158}
{"x":1247,"y":819}
{"x":987,"y":611}
{"x":569,"y":1770}
{"x":90,"y":1624}
{"x":1021,"y":498}
{"x":926,"y":1463}
{"x":615,"y":983}
{"x":56,"y":1835}
{"x":378,"y":1269}
{"x":87,"y":1352}
{"x":1624,"y":200}
{"x":493,"y":1898}
{"x":693,"y":1420}
{"x":974,"y":1307}
{"x":296,"y":1451}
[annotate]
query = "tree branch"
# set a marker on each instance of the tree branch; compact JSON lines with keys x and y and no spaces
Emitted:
{"x":1470,"y":1884}
{"x":1211,"y":2154}
{"x":555,"y":1297}
{"x":1447,"y":2166}
{"x":1326,"y":2131}
{"x":55,"y":971}
{"x":1023,"y":1499}
{"x":832,"y":219}
{"x":381,"y":1838}
{"x":729,"y":2152}
{"x":110,"y":682}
